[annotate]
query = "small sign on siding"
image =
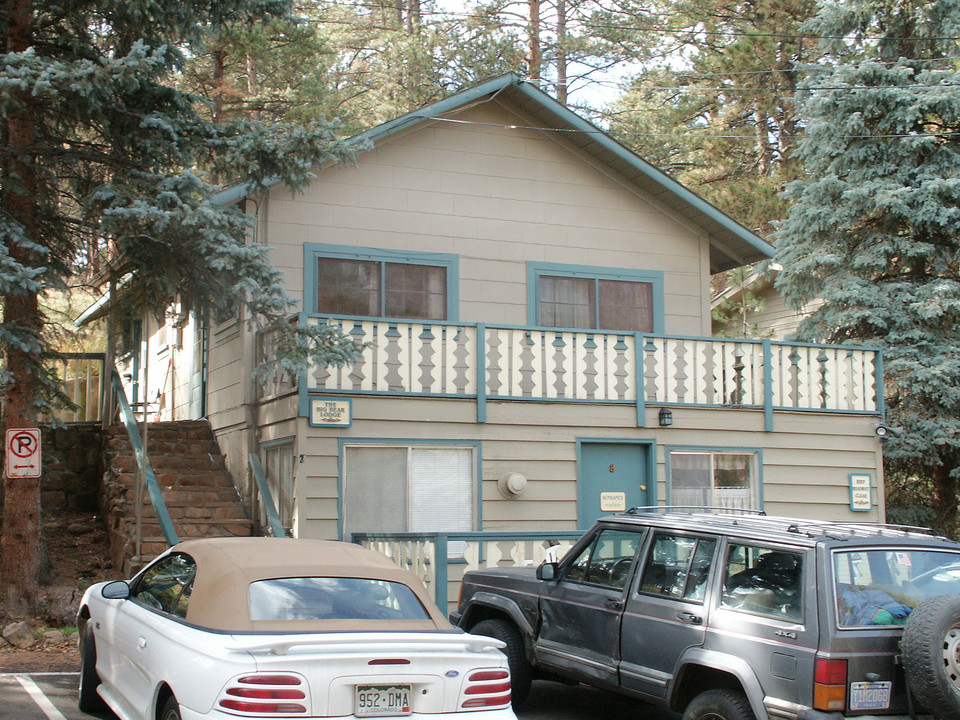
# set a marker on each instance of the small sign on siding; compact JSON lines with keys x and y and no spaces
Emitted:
{"x":613,"y":501}
{"x":861,"y":492}
{"x":330,"y":412}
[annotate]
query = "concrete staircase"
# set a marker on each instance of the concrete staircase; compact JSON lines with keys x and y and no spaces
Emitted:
{"x":200,"y":496}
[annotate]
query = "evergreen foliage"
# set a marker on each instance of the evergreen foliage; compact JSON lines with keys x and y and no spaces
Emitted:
{"x":874,"y":226}
{"x":711,"y":104}
{"x":104,"y":159}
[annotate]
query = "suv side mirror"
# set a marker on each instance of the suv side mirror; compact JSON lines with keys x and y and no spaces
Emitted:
{"x":547,"y":571}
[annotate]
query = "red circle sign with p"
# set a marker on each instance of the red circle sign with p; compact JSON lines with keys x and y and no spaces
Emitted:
{"x":22,"y":453}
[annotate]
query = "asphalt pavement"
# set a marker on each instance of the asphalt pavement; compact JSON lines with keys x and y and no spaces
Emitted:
{"x":53,"y":696}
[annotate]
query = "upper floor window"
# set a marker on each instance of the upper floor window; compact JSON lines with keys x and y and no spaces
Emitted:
{"x":570,"y":296}
{"x":380,"y":283}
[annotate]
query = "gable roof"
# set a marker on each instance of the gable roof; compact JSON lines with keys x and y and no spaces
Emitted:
{"x":731,"y":244}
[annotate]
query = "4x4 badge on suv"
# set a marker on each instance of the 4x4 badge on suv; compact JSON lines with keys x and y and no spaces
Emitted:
{"x":786,"y":634}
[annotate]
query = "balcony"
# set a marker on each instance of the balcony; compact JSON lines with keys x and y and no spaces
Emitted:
{"x":441,"y":559}
{"x":487,"y":362}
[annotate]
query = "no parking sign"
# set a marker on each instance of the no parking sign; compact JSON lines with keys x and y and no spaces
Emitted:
{"x":22,"y":453}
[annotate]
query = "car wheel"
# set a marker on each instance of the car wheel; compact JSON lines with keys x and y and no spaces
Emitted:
{"x":719,"y":705}
{"x":88,"y":700}
{"x":521,"y":673}
{"x":931,"y":654}
{"x":171,"y":709}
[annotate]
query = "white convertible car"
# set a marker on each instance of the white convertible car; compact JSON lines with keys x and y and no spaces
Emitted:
{"x":274,"y":627}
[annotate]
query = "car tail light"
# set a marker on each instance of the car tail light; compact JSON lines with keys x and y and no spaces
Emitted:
{"x":486,"y":689}
{"x":265,"y":695}
{"x":830,"y":685}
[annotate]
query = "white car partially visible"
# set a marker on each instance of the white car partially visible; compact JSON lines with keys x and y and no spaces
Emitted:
{"x":280,"y":627}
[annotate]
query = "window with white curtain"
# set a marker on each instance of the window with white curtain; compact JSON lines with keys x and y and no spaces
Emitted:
{"x":408,"y":488}
{"x":714,"y":478}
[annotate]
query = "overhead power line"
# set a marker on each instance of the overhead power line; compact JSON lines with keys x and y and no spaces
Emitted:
{"x":598,"y":131}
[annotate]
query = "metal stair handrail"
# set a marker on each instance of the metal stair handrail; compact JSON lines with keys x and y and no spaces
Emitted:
{"x":143,"y":462}
{"x":266,"y":497}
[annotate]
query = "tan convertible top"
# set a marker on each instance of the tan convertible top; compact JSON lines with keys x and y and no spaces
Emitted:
{"x":227,"y":566}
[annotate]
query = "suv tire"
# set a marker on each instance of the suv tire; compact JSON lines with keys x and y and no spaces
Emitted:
{"x":719,"y":705}
{"x":931,"y":654}
{"x":521,"y":674}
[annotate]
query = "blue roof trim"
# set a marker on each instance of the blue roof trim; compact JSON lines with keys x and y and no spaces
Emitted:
{"x":463,"y":97}
{"x":238,"y":192}
{"x":646,"y":168}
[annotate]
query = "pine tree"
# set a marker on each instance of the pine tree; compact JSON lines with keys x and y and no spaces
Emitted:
{"x":874,"y":228}
{"x":104,"y":159}
{"x":712,"y":105}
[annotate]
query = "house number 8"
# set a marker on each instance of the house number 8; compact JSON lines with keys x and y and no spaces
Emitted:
{"x":613,"y":468}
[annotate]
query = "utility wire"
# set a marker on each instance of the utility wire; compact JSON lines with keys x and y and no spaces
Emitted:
{"x":598,"y":131}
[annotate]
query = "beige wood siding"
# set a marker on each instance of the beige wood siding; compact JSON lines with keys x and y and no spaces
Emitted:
{"x":497,"y":197}
{"x":540,"y":441}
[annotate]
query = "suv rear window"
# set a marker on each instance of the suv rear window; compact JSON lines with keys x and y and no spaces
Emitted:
{"x":882,"y":586}
{"x":333,"y":598}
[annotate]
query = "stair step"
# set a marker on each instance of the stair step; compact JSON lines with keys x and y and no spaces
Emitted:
{"x":197,"y":492}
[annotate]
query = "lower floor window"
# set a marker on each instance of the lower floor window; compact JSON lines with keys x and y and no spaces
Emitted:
{"x":714,"y":478}
{"x":408,"y":488}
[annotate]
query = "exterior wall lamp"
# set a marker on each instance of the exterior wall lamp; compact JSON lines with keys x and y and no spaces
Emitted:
{"x":666,"y":417}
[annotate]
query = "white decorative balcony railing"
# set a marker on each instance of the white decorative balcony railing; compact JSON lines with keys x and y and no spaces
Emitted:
{"x":520,"y":363}
{"x":431,"y":556}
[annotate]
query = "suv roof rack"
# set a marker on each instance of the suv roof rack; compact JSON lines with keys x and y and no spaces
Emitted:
{"x":759,"y":520}
{"x":699,"y":508}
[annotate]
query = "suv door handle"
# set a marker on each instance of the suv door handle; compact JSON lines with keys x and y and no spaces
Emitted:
{"x":614,"y":603}
{"x":689,"y":617}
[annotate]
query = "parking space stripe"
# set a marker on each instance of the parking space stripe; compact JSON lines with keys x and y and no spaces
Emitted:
{"x":42,"y":701}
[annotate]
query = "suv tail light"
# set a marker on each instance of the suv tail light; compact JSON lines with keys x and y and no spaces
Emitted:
{"x":486,"y":689}
{"x":265,"y":695}
{"x":830,"y":685}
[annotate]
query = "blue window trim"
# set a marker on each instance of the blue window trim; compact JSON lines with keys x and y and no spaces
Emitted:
{"x":667,"y":449}
{"x":535,"y":270}
{"x":402,"y":442}
{"x":313,"y":251}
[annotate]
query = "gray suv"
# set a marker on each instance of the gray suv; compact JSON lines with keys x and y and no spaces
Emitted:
{"x":737,"y":616}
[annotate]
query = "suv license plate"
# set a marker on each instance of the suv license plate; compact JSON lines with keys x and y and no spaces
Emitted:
{"x":380,"y":700}
{"x":870,"y":696}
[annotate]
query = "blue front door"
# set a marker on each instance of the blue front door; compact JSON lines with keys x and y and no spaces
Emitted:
{"x":611,"y":478}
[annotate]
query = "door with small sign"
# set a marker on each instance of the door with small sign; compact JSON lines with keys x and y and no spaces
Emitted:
{"x":611,"y":478}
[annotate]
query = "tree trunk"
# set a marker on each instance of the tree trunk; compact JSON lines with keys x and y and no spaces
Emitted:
{"x":534,"y":41}
{"x":20,"y":541}
{"x":945,"y":498}
{"x":562,"y":51}
{"x":219,"y":78}
{"x":253,"y":86}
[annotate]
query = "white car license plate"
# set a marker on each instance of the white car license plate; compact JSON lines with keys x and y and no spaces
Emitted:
{"x":870,"y":696}
{"x":383,"y":700}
